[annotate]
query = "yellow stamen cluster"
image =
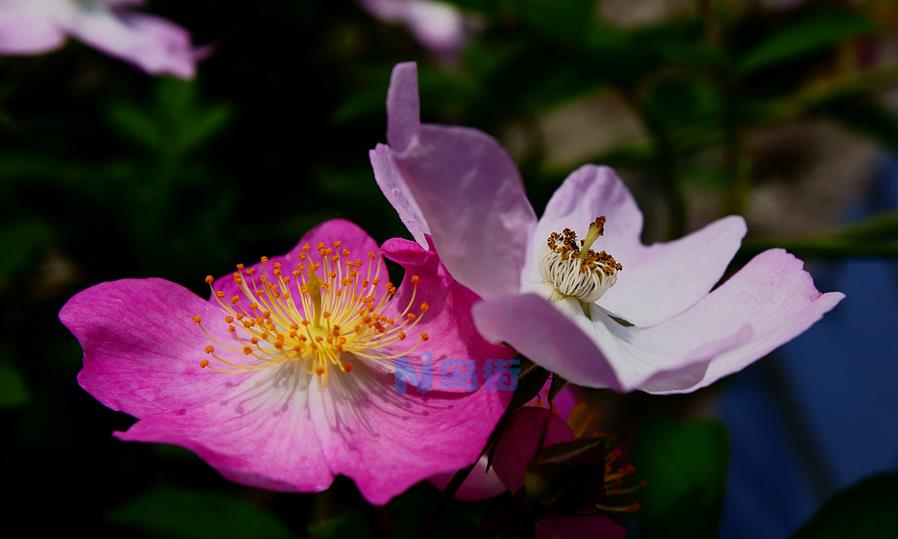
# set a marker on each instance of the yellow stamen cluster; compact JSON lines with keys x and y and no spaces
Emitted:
{"x":573,"y":269}
{"x":566,"y":244}
{"x":327,"y":311}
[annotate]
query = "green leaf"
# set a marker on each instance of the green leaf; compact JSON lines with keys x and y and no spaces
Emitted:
{"x":565,"y":21}
{"x":20,"y":244}
{"x":187,"y":513}
{"x":135,"y":124}
{"x":865,"y":116}
{"x":804,"y":36}
{"x":206,"y":124}
{"x":348,"y":526}
{"x":863,"y":511}
{"x":685,"y":466}
{"x":13,"y":392}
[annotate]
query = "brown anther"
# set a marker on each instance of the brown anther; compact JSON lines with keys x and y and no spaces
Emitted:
{"x":247,"y":350}
{"x":425,"y":337}
{"x":197,"y":319}
{"x":210,"y":279}
{"x":424,"y":307}
{"x":264,"y":260}
{"x":228,"y":319}
{"x":204,"y":363}
{"x":347,"y":367}
{"x":209,"y":349}
{"x":240,"y":267}
{"x":219,"y":294}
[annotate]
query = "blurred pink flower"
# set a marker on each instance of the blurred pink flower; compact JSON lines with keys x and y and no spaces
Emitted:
{"x":438,"y":26}
{"x":155,"y":45}
{"x":624,"y":316}
{"x":283,"y":384}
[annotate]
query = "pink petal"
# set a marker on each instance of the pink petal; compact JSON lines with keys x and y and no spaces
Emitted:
{"x":281,"y":430}
{"x":470,"y":194}
{"x":675,"y":275}
{"x":388,"y":441}
{"x":457,"y":357}
{"x":438,"y":26}
{"x":259,"y":433}
{"x":480,"y":484}
{"x":28,"y":27}
{"x":141,"y":348}
{"x":394,"y":188}
{"x":589,"y":192}
{"x":579,"y":527}
{"x":403,"y":106}
{"x":772,"y":295}
{"x":156,"y":45}
{"x":593,"y":353}
{"x":529,"y":429}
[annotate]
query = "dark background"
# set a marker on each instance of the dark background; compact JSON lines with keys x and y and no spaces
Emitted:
{"x":783,"y":114}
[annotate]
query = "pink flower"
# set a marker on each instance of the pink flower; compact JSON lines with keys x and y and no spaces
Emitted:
{"x":610,"y":312}
{"x":155,"y":45}
{"x":287,"y":375}
{"x":438,"y":26}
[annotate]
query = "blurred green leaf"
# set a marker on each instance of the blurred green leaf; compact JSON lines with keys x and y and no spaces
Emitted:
{"x":863,"y":511}
{"x":175,"y":123}
{"x":187,"y":513}
{"x":685,"y":101}
{"x":347,"y":526}
{"x":685,"y":465}
{"x":865,"y":116}
{"x":135,"y":124}
{"x":21,"y":243}
{"x":565,"y":21}
{"x":13,"y":392}
{"x":804,"y":36}
{"x":203,"y":126}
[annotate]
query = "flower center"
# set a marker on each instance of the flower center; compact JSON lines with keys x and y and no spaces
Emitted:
{"x":573,"y":269}
{"x":323,"y":313}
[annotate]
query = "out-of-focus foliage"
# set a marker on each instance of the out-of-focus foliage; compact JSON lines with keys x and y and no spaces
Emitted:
{"x":685,"y":468}
{"x":864,"y":510}
{"x":182,"y":513}
{"x":106,"y":173}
